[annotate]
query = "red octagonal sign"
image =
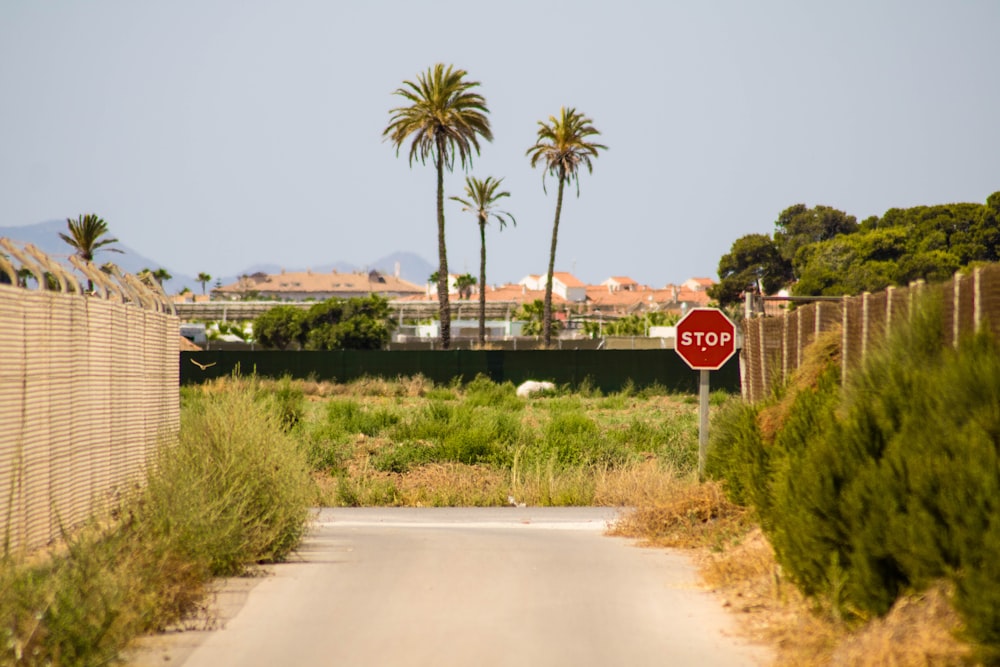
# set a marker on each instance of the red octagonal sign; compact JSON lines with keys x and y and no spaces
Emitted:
{"x":706,"y":338}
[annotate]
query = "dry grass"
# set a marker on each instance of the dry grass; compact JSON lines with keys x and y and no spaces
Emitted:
{"x":692,"y":515}
{"x":919,"y":630}
{"x":401,"y":387}
{"x":737,"y":562}
{"x":823,"y":353}
{"x":648,"y":483}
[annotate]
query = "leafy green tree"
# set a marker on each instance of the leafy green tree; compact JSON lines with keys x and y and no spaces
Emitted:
{"x":969,"y":232}
{"x":798,"y":226}
{"x":869,"y":261}
{"x":464,"y":284}
{"x":443,"y":117}
{"x":352,"y":324}
{"x":87,"y":235}
{"x":752,"y":258}
{"x":562,"y":146}
{"x":481,"y":199}
{"x":204,"y":279}
{"x":279,"y":327}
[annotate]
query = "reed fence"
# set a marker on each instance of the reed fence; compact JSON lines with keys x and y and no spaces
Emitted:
{"x":773,"y":346}
{"x":88,"y":389}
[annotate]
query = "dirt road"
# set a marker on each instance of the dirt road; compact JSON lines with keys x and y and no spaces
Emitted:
{"x":450,"y":587}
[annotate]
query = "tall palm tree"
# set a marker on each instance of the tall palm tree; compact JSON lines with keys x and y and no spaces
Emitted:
{"x":562,"y":146}
{"x":481,"y":199}
{"x":444,"y":117}
{"x":85,"y":237}
{"x":204,"y":278}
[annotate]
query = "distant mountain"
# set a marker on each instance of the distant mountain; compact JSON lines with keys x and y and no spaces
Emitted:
{"x":45,"y":236}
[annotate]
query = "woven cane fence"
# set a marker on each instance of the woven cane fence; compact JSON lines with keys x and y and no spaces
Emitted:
{"x":88,"y":390}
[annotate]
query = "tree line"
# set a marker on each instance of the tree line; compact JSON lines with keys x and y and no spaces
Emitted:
{"x":822,"y":251}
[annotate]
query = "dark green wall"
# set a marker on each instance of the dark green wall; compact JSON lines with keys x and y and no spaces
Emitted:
{"x":608,"y":370}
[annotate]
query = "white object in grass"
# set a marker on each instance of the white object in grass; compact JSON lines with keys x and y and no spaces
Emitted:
{"x":534,"y":387}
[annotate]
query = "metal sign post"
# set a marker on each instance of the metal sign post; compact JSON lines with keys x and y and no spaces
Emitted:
{"x":702,"y":423}
{"x":706,"y":339}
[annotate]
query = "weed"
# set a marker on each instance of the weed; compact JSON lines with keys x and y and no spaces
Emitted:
{"x":233,"y":490}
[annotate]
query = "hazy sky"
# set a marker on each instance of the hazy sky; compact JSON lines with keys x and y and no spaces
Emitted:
{"x":215,"y":134}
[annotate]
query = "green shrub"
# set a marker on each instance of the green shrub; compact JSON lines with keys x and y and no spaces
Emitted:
{"x":448,"y":432}
{"x":289,"y":399}
{"x":736,"y":454}
{"x":401,"y":458}
{"x":349,"y":417}
{"x":483,"y":392}
{"x":441,"y":394}
{"x":235,"y":489}
{"x":572,"y":439}
{"x":810,"y":464}
{"x":673,"y":441}
{"x":330,"y":442}
{"x":887,"y":484}
{"x":77,"y":609}
{"x":931,"y":507}
{"x":232,"y":491}
{"x":480,"y":435}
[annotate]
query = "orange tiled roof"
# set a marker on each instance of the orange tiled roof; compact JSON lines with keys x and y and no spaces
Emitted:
{"x":567,"y":279}
{"x":307,"y":282}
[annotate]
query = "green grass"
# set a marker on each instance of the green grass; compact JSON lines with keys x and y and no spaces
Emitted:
{"x":378,"y":448}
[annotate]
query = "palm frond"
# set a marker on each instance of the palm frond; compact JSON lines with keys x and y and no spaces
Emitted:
{"x":85,"y":236}
{"x":481,"y":200}
{"x":563,"y":145}
{"x":445,"y":118}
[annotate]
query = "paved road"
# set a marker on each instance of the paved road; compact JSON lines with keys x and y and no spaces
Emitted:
{"x":459,"y":587}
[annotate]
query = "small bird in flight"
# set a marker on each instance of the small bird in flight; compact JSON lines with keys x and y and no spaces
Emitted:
{"x":203,"y":366}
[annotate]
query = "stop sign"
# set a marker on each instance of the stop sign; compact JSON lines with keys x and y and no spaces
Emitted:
{"x":706,"y":338}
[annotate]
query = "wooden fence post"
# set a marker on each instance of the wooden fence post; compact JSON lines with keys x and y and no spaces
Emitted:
{"x":956,"y":308}
{"x":864,"y":324}
{"x":763,"y":355}
{"x":844,"y":339}
{"x":798,"y":338}
{"x":889,"y":292}
{"x":784,"y":347}
{"x":977,"y":299}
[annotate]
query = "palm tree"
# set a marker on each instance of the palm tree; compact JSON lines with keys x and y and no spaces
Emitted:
{"x":149,"y":276}
{"x":562,"y":146}
{"x":85,"y":238}
{"x":481,"y":199}
{"x":464,"y":284}
{"x":161,"y":275}
{"x":204,"y":278}
{"x":444,"y":117}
